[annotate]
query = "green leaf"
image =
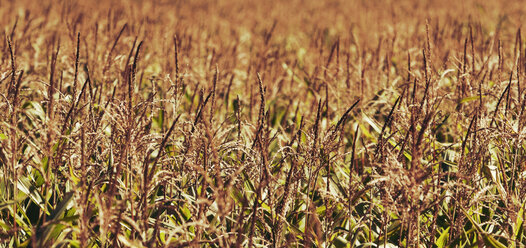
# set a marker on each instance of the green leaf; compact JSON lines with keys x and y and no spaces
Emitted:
{"x":340,"y":242}
{"x":441,"y":241}
{"x":25,"y":186}
{"x":159,"y":120}
{"x":55,"y":229}
{"x":6,"y":204}
{"x":489,"y":240}
{"x":248,"y":183}
{"x":471,"y":98}
{"x":373,"y":123}
{"x":186,"y":212}
{"x":37,"y":110}
{"x":61,"y":206}
{"x":518,"y":228}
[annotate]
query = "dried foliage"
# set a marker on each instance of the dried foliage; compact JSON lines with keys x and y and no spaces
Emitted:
{"x":262,"y":123}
